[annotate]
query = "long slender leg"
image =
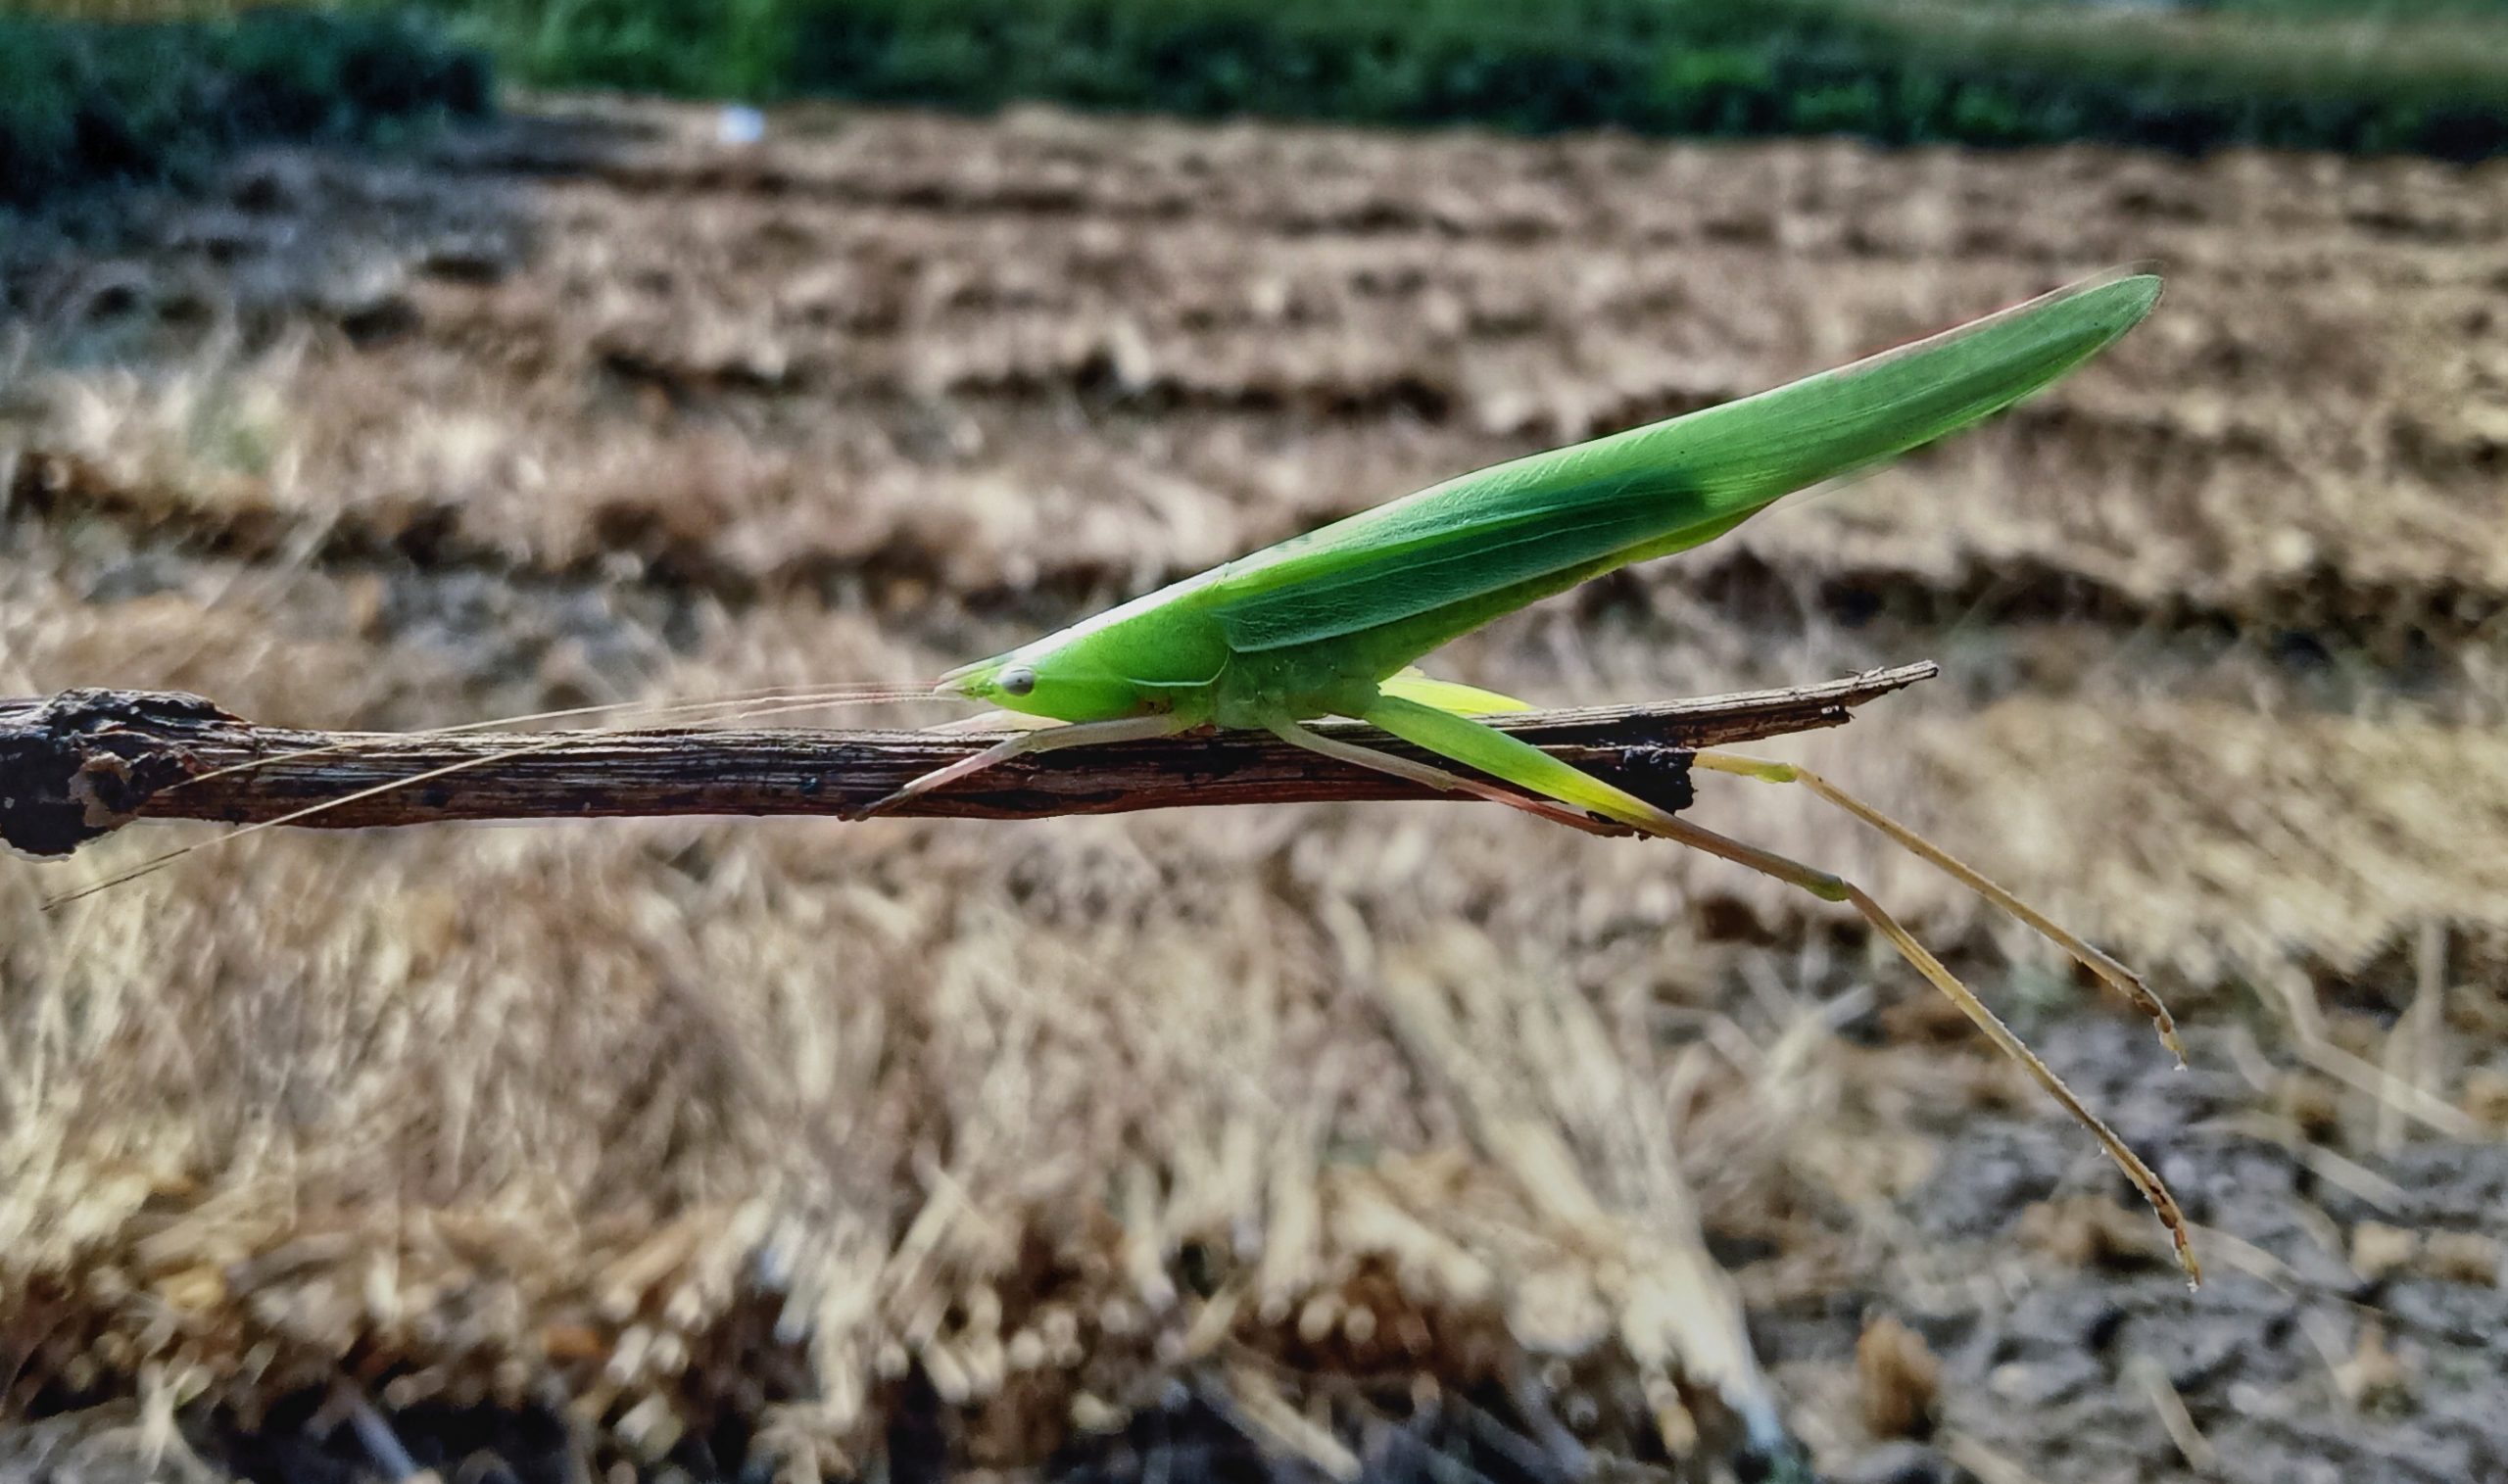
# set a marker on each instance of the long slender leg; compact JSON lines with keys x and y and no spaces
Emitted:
{"x":1126,"y":728}
{"x":1492,"y":752}
{"x":1436,"y":777}
{"x":1445,"y":695}
{"x":2123,"y":980}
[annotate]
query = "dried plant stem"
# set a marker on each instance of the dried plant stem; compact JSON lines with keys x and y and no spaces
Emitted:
{"x":83,"y":763}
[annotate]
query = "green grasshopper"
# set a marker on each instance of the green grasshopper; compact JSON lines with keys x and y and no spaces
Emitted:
{"x":1329,"y":623}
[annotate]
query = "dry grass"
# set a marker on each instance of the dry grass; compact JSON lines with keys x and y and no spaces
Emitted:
{"x":681,"y":1121}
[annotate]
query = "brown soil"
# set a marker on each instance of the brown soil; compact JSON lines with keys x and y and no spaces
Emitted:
{"x":1107,"y":1146}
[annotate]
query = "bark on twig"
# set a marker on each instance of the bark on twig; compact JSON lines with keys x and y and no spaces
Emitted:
{"x":83,"y":763}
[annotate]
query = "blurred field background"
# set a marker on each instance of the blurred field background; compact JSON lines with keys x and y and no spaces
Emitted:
{"x":1397,"y":1141}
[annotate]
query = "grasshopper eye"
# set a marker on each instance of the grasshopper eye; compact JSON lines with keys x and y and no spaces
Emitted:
{"x":1018,"y":679}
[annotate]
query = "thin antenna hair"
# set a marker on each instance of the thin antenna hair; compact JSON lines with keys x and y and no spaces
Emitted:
{"x":743,"y":709}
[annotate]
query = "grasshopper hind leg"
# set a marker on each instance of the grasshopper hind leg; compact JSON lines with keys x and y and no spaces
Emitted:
{"x":1437,"y":778}
{"x":2123,"y":980}
{"x":1477,"y":746}
{"x":1831,"y":887}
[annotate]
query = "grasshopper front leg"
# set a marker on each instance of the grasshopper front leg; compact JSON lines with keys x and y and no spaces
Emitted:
{"x":1043,"y":740}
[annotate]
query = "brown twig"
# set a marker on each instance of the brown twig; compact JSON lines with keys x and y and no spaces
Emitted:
{"x":83,"y":763}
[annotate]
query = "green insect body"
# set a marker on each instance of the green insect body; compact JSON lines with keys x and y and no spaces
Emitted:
{"x":1316,"y":625}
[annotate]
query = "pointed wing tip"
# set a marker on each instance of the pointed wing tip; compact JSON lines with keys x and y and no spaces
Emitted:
{"x":2134,"y":294}
{"x":2138,"y":285}
{"x":2094,"y":312}
{"x":2133,"y":289}
{"x":2101,"y":307}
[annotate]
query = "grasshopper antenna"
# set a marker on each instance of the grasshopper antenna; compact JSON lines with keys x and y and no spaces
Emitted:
{"x":738,"y":709}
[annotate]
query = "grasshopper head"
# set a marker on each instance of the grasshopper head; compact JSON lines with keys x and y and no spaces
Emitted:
{"x":1043,"y":681}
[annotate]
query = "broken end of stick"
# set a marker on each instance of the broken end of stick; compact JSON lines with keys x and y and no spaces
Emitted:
{"x":83,"y":763}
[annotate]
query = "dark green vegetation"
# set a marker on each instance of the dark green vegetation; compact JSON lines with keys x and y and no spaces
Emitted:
{"x":85,"y":103}
{"x":2429,"y":77}
{"x":80,"y":103}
